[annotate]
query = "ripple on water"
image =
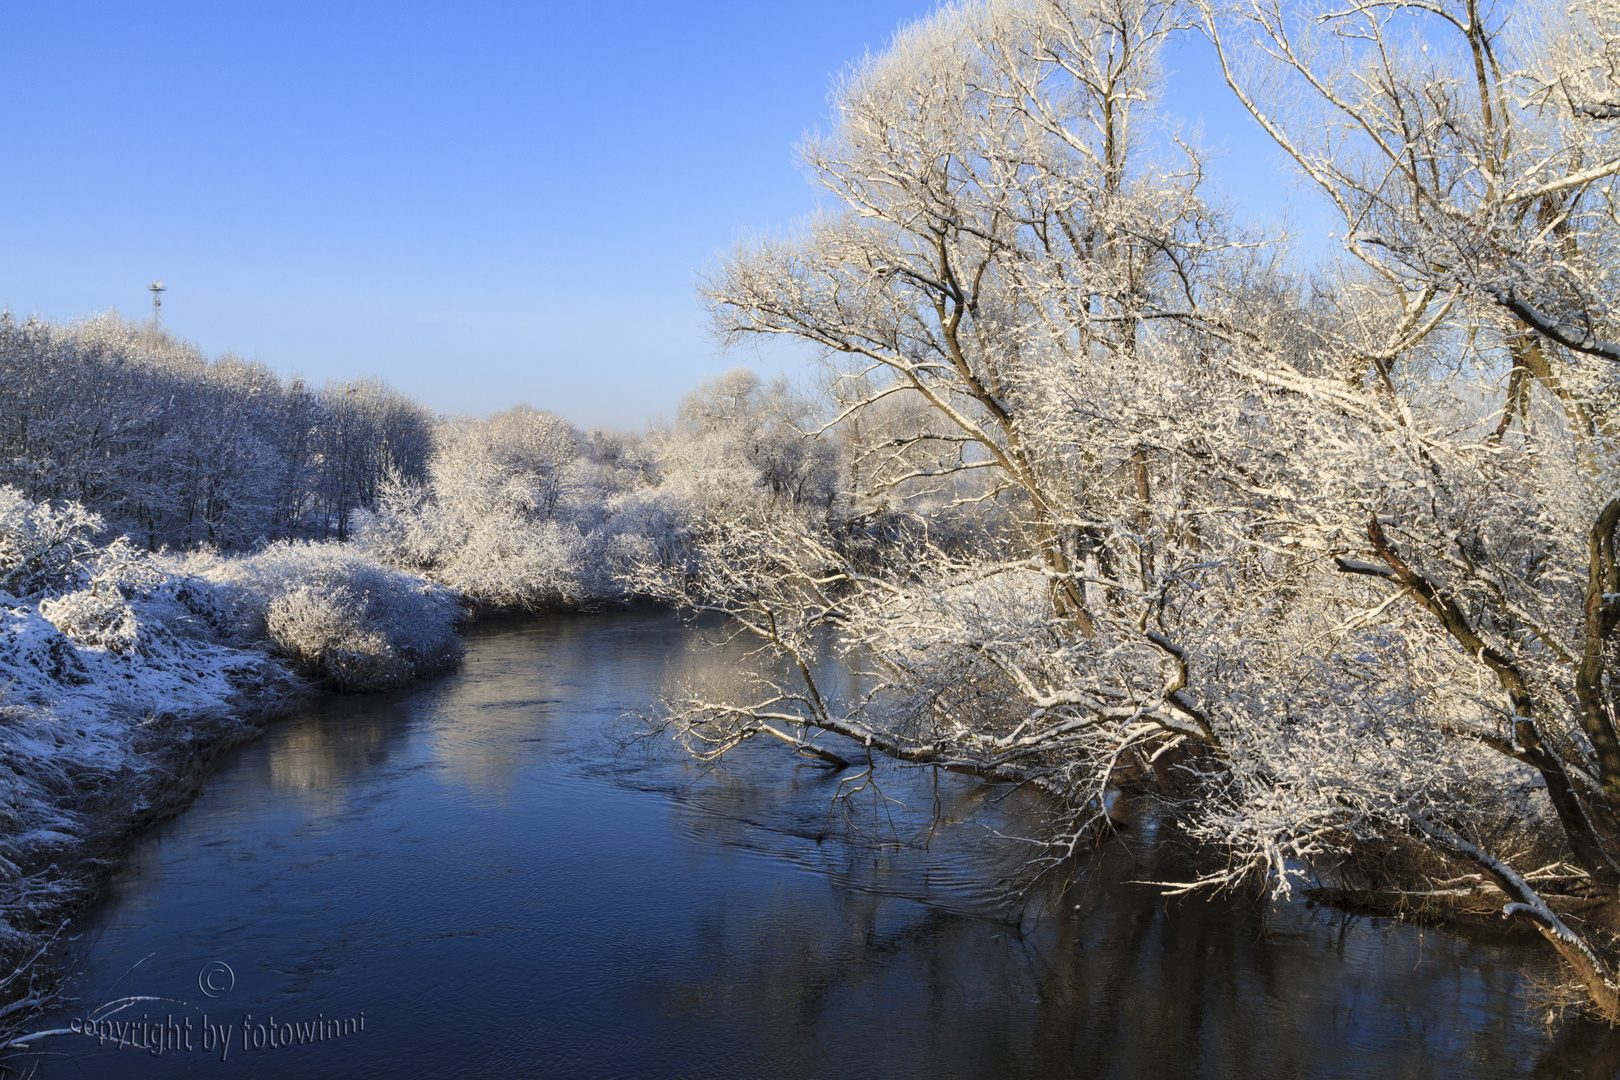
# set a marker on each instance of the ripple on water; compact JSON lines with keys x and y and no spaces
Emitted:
{"x":503,"y":889}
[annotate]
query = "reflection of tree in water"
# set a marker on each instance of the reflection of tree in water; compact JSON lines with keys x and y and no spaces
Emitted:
{"x":1120,"y":987}
{"x":1588,"y":1051}
{"x":518,"y":673}
{"x":1105,"y":980}
{"x":531,"y":680}
{"x":902,"y":957}
{"x":333,"y":740}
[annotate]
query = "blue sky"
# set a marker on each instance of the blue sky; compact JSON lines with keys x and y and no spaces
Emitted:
{"x":481,"y":203}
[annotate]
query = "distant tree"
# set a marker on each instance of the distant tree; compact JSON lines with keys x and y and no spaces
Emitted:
{"x":745,"y":434}
{"x":365,"y":432}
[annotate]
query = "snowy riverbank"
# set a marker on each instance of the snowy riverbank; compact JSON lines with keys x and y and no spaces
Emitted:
{"x":124,"y":675}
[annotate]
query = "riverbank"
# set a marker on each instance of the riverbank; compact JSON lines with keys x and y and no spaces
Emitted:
{"x":98,"y":745}
{"x":127,"y":676}
{"x":484,"y":739}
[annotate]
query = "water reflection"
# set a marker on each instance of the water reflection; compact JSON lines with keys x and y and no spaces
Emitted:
{"x":506,"y":891}
{"x":331,"y":743}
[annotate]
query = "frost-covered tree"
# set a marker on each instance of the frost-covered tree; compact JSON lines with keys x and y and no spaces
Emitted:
{"x":1330,"y":565}
{"x":993,"y":206}
{"x":493,"y":519}
{"x":738,"y":439}
{"x":1472,"y":157}
{"x":1003,"y":302}
{"x":367,"y":433}
{"x":177,"y":450}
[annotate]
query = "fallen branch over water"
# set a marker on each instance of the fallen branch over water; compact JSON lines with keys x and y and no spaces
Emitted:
{"x":1442,"y":903}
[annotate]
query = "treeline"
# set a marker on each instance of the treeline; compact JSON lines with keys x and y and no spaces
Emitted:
{"x":524,"y":510}
{"x":180,"y":451}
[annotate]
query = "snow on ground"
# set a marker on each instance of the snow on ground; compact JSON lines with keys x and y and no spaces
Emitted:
{"x":124,"y":674}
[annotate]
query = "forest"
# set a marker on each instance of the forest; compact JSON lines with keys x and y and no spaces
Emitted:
{"x":1099,"y":491}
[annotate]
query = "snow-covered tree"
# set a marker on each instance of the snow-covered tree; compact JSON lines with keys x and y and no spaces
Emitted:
{"x":177,"y":450}
{"x":366,"y":434}
{"x":750,"y":440}
{"x":491,"y":519}
{"x":1472,"y":355}
{"x":1330,"y":565}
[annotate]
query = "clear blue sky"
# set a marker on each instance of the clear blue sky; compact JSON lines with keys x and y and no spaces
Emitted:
{"x":483,"y":203}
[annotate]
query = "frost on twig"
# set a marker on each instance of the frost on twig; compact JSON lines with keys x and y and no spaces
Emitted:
{"x":1307,"y":561}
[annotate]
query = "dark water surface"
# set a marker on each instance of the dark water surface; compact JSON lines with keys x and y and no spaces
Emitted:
{"x":478,"y":871}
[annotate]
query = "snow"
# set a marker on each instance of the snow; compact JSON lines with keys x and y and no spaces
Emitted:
{"x":118,"y":667}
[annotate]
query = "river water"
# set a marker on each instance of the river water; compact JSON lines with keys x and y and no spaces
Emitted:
{"x":478,"y":877}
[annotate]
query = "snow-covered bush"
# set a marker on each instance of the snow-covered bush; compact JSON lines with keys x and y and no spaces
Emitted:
{"x":335,"y":611}
{"x":738,"y":440}
{"x":500,"y":518}
{"x":328,"y":630}
{"x":522,"y":511}
{"x":495,"y":552}
{"x":648,"y":525}
{"x":101,"y":616}
{"x":102,"y":620}
{"x":509,"y":562}
{"x":42,"y":547}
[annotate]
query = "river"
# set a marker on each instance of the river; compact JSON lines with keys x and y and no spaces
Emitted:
{"x":478,"y":877}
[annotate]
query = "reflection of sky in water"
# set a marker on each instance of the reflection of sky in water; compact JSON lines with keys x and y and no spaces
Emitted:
{"x":506,"y":891}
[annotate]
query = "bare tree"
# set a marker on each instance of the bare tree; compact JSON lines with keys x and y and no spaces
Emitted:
{"x":1473,"y":166}
{"x":1329,"y":563}
{"x":1010,"y":258}
{"x":366,"y":432}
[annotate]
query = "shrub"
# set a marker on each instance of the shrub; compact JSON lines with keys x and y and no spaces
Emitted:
{"x":97,"y":619}
{"x":328,"y":631}
{"x":337,"y":613}
{"x":42,"y":547}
